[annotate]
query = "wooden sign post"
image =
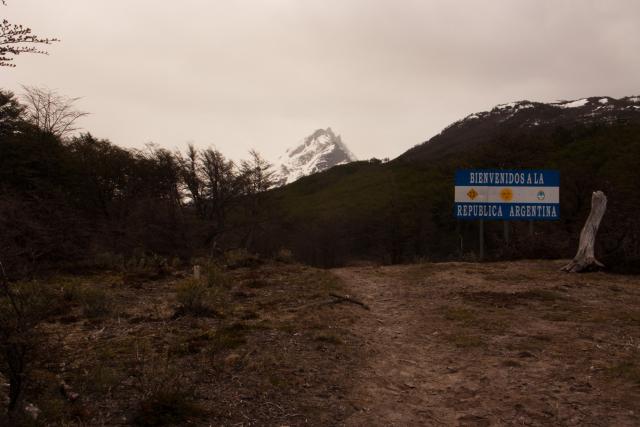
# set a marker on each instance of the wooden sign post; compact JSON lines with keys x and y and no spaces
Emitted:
{"x":481,"y":240}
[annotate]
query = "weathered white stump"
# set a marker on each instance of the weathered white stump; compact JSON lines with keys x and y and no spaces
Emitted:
{"x":196,"y":272}
{"x":585,"y":259}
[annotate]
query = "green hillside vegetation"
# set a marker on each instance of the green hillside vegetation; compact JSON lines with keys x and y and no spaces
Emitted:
{"x":72,"y":201}
{"x":403,"y":210}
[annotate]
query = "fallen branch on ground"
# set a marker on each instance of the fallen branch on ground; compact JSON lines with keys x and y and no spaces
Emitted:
{"x":336,"y":299}
{"x":347,"y":298}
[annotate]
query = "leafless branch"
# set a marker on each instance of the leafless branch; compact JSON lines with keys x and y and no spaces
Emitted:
{"x":50,"y":111}
{"x":16,"y":39}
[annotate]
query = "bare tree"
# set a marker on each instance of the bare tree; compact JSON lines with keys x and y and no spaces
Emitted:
{"x":190,"y":172}
{"x":220,"y":184}
{"x":257,"y":173}
{"x":257,"y":177}
{"x":50,"y":111}
{"x":16,"y":39}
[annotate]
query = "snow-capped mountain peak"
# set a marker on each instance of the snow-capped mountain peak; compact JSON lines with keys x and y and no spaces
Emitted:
{"x":318,"y":152}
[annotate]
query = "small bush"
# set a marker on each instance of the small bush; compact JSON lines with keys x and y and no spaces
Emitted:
{"x":285,"y":256}
{"x":459,"y":314}
{"x":204,"y":296}
{"x":628,"y":369}
{"x":109,"y":260}
{"x":95,"y":302}
{"x":239,"y":258}
{"x":165,"y":395}
{"x":101,"y":379}
{"x":465,"y":341}
{"x":23,"y":306}
{"x":197,"y":298}
{"x":166,"y":408}
{"x":215,"y":276}
{"x":329,"y":338}
{"x":193,"y":295}
{"x":229,"y":337}
{"x":191,"y":344}
{"x":71,"y":291}
{"x":146,"y":265}
{"x":175,"y":263}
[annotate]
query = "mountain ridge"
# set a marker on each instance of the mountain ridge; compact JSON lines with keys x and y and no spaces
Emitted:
{"x":402,"y":210}
{"x":525,"y":117}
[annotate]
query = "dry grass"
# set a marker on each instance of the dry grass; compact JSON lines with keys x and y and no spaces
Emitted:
{"x":175,"y":351}
{"x":513,"y":343}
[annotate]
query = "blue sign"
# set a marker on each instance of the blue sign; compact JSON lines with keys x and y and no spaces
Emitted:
{"x":507,"y":194}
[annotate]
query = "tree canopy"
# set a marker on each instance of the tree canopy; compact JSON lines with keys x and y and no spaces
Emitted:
{"x":16,"y":39}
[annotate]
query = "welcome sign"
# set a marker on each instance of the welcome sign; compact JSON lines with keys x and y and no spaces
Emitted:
{"x":507,"y":194}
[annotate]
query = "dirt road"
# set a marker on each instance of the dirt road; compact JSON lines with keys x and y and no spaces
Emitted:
{"x":495,"y":344}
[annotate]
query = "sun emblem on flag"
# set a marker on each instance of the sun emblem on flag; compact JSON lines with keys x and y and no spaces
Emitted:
{"x":472,"y":194}
{"x":506,"y":194}
{"x":541,"y":195}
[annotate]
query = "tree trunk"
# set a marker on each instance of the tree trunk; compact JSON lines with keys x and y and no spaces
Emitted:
{"x":585,"y":259}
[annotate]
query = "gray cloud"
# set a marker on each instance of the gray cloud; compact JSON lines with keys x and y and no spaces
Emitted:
{"x":385,"y":74}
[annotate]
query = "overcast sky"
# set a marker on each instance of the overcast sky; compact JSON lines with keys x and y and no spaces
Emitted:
{"x":385,"y":74}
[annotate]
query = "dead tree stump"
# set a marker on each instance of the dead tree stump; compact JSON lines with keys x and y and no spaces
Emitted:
{"x":585,"y":259}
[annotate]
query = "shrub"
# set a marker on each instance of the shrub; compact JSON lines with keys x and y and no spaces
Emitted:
{"x":109,"y":260}
{"x":192,"y":295}
{"x":95,"y":302}
{"x":165,"y":395}
{"x":329,"y":338}
{"x":229,"y":337}
{"x":23,"y":306}
{"x":166,"y":408}
{"x":71,"y":290}
{"x":146,"y":265}
{"x":627,"y":369}
{"x":190,"y":344}
{"x":239,"y":258}
{"x":197,"y":298}
{"x":215,"y":276}
{"x":284,"y":256}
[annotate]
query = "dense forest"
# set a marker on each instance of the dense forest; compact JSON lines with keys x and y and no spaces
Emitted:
{"x":84,"y":201}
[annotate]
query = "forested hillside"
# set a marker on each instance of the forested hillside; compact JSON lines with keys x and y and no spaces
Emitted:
{"x":402,"y":210}
{"x":82,"y":200}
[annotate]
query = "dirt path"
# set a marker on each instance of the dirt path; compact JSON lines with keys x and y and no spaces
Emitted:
{"x":495,"y":344}
{"x":395,"y":386}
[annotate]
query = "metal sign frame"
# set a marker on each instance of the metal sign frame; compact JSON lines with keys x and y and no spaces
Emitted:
{"x":507,"y":194}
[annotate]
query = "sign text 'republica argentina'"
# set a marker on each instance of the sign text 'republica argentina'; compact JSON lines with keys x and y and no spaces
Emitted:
{"x":507,"y":194}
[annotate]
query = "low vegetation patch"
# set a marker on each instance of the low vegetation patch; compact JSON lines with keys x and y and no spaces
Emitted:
{"x":627,"y":369}
{"x":511,"y":299}
{"x":239,"y":258}
{"x":459,"y":314}
{"x":95,"y":302}
{"x":196,"y":298}
{"x":462,"y":340}
{"x":229,"y":337}
{"x":174,"y":350}
{"x":329,"y":338}
{"x":167,"y":408}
